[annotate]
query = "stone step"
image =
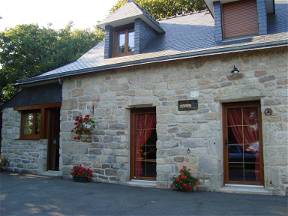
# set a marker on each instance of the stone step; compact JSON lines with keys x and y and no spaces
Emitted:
{"x":245,"y":189}
{"x":52,"y":173}
{"x":141,"y":183}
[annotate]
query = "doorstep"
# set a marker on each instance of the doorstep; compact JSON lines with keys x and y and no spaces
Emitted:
{"x":141,"y":183}
{"x":52,"y":173}
{"x":245,"y":189}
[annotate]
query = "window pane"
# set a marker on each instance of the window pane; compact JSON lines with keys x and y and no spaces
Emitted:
{"x":252,"y":171}
{"x":250,"y":116}
{"x":131,"y":43}
{"x":121,"y":41}
{"x":235,"y":153}
{"x":236,"y":171}
{"x":235,"y":135}
{"x":27,"y":123}
{"x":234,"y":116}
{"x":37,"y":122}
{"x":31,"y":123}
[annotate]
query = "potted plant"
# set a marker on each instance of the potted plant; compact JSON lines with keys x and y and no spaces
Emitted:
{"x":83,"y":126}
{"x":80,"y":173}
{"x":184,"y":181}
{"x":3,"y":162}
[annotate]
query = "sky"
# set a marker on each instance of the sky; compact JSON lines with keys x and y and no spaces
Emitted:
{"x":83,"y":13}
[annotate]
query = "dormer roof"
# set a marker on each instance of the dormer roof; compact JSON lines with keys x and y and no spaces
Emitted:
{"x":128,"y":14}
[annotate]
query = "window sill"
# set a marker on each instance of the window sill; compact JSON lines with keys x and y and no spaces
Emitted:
{"x":241,"y":39}
{"x":24,"y":138}
{"x":122,"y":55}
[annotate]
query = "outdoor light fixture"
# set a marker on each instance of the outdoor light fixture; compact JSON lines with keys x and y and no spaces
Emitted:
{"x":235,"y":70}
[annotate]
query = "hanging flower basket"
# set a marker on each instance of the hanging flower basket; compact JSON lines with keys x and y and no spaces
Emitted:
{"x":83,"y":127}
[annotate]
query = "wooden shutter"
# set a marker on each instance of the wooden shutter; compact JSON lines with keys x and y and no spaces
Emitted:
{"x":240,"y":18}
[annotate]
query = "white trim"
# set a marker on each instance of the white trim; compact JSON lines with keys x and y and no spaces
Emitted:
{"x":243,"y":186}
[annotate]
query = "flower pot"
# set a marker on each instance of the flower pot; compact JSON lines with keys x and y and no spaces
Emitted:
{"x":81,"y":179}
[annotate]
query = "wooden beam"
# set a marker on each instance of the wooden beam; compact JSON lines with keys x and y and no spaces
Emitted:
{"x":38,"y":106}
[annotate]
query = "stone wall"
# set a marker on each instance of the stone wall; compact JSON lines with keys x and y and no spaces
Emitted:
{"x":108,"y":97}
{"x":23,"y":155}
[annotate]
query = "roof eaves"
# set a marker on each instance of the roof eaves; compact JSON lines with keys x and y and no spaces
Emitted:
{"x":174,"y":57}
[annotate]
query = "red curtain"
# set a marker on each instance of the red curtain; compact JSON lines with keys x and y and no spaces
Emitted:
{"x":145,"y":124}
{"x":235,"y":118}
{"x":245,"y":126}
{"x":251,"y":139}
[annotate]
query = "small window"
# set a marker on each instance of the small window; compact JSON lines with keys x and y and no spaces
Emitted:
{"x":239,"y":19}
{"x":30,"y":124}
{"x":124,"y":43}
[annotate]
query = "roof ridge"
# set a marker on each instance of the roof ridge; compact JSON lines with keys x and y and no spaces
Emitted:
{"x":183,"y":14}
{"x":144,"y":11}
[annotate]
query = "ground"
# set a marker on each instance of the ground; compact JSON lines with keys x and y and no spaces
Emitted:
{"x":36,"y":195}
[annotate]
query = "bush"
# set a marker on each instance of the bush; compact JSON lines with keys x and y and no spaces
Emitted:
{"x":3,"y":162}
{"x":184,"y":181}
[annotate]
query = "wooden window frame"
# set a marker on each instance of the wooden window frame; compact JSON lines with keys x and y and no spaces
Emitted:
{"x":125,"y":29}
{"x":225,"y":107}
{"x":43,"y":119}
{"x":33,"y":135}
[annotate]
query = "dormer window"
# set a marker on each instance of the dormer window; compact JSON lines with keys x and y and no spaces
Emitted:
{"x":124,"y":43}
{"x":239,"y":19}
{"x":128,"y":31}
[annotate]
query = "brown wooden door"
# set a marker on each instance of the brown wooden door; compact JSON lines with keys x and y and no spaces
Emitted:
{"x":143,"y":143}
{"x":53,"y":129}
{"x":242,"y":136}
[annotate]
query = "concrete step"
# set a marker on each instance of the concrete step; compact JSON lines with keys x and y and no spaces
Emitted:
{"x":141,"y":183}
{"x":52,"y":173}
{"x":245,"y":189}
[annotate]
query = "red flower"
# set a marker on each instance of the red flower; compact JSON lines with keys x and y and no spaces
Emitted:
{"x":80,"y":170}
{"x":184,"y":181}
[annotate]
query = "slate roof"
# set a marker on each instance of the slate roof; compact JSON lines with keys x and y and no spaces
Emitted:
{"x":186,"y":37}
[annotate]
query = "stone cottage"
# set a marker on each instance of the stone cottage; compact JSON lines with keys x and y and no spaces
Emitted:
{"x":206,"y":90}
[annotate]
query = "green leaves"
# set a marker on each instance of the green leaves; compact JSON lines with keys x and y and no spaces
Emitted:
{"x":160,"y":9}
{"x":27,"y":50}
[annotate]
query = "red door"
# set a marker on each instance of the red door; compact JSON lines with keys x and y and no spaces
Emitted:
{"x":143,"y":143}
{"x":242,"y":137}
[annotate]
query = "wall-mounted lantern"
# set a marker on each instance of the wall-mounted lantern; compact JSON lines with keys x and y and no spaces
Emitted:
{"x":234,"y":74}
{"x":235,"y":70}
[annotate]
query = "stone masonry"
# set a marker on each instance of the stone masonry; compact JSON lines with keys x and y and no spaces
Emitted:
{"x":23,"y":155}
{"x":108,"y":96}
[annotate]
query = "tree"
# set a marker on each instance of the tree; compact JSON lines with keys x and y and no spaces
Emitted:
{"x":27,"y":50}
{"x":160,"y":9}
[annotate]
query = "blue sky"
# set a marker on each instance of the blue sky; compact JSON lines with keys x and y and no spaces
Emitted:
{"x":83,"y":13}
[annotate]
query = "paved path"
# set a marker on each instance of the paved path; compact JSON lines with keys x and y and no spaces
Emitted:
{"x":34,"y":195}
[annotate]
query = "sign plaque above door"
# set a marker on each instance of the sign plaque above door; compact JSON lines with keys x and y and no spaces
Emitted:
{"x":186,"y":105}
